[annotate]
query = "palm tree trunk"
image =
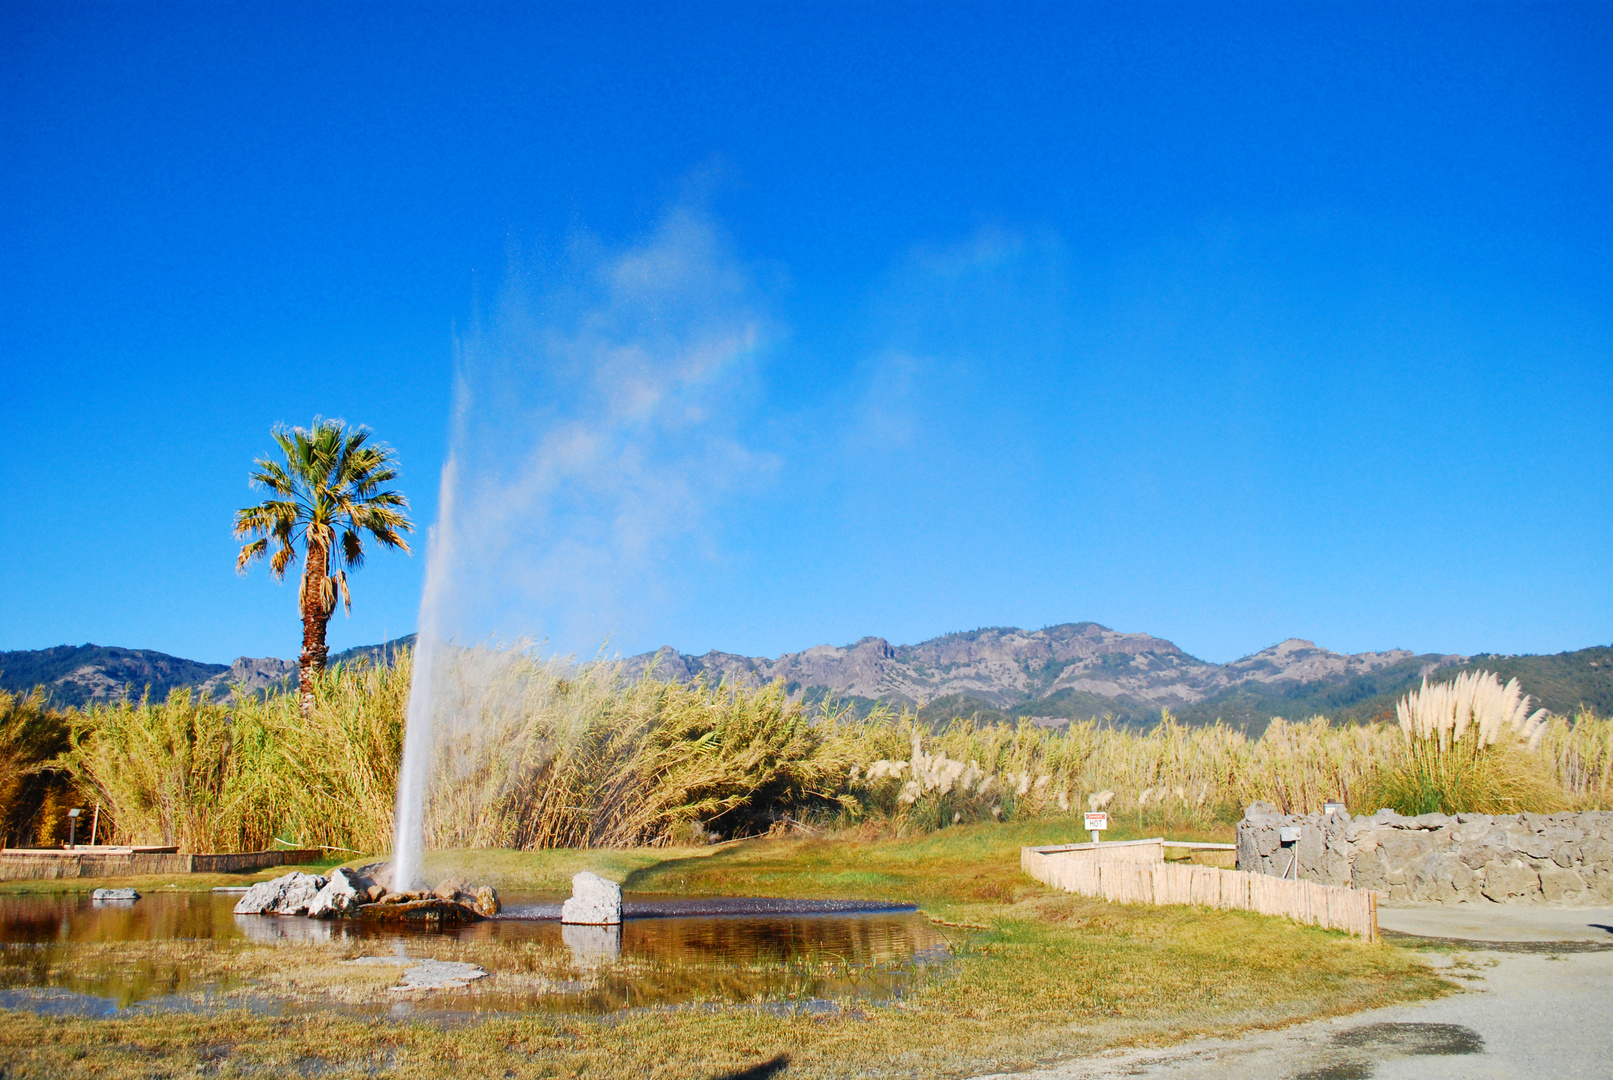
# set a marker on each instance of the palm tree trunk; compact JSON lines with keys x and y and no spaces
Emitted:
{"x":315,"y":616}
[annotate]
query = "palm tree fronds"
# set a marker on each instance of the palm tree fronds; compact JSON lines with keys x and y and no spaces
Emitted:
{"x":330,"y":482}
{"x":250,"y":553}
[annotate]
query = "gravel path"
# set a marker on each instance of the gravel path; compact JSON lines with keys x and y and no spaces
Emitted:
{"x":1529,"y":1010}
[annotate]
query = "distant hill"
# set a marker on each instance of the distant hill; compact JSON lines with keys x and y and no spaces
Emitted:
{"x":1084,"y":670}
{"x":1072,"y":671}
{"x":76,"y":675}
{"x":1561,"y":682}
{"x":382,"y":653}
{"x":1056,"y":674}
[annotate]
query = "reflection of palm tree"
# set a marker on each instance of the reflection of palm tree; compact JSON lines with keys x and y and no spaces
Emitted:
{"x":330,"y":481}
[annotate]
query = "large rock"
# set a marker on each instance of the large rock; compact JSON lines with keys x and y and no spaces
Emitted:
{"x":1561,"y":886}
{"x":289,"y":895}
{"x":594,"y":901}
{"x":1370,"y":871}
{"x":340,"y":896}
{"x":432,"y":912}
{"x":1504,"y":882}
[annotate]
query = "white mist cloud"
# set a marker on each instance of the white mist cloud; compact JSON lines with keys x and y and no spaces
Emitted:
{"x":598,"y":428}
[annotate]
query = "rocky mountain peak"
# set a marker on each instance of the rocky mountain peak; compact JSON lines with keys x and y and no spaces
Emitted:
{"x":1083,"y":665}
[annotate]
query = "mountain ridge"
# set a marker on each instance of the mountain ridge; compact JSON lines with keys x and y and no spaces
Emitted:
{"x":1068,"y":670}
{"x":1052,"y":675}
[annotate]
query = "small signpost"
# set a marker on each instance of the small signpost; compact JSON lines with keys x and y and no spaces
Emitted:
{"x":1290,"y":834}
{"x":1096,"y":823}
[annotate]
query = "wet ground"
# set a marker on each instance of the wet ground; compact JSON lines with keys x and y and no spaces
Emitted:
{"x":670,"y":952}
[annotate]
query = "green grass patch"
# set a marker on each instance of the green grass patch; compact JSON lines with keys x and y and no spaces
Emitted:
{"x":1037,"y":975}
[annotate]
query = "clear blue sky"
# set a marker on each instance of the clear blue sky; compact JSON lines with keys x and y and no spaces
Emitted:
{"x":1224,"y":322}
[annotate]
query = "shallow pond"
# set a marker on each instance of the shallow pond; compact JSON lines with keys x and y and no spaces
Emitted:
{"x":68,"y":953}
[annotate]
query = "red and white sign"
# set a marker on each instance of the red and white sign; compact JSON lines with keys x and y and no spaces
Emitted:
{"x":1096,"y":822}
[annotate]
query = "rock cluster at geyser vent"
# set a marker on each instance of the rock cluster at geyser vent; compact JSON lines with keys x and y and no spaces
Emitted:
{"x":1443,"y":858}
{"x":365,"y":893}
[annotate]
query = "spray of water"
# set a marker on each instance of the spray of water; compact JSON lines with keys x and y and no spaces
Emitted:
{"x":414,"y":774}
{"x":597,"y":425}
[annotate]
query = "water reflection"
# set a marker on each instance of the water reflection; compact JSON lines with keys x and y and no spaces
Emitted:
{"x":158,"y":917}
{"x":274,"y":929}
{"x":768,"y":954}
{"x":592,"y":945}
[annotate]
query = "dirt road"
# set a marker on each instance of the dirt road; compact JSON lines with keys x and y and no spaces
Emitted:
{"x":1537,"y":1002}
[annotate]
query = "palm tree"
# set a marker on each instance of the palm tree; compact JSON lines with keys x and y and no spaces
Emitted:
{"x":330,"y":482}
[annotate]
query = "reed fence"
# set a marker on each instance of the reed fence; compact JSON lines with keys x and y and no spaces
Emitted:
{"x":1136,"y":873}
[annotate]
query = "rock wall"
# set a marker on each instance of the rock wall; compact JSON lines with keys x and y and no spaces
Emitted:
{"x":1445,"y":858}
{"x":49,"y":864}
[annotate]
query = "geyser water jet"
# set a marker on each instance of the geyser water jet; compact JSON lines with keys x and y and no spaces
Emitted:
{"x":414,"y":772}
{"x":595,"y":427}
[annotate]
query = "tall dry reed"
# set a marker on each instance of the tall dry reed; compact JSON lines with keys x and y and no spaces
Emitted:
{"x":1579,"y":754}
{"x":1469,"y":744}
{"x":35,"y":792}
{"x":208,"y":776}
{"x":535,"y":753}
{"x":543,"y":754}
{"x":1170,"y":773}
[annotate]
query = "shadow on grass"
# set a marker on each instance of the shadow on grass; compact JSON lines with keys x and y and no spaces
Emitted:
{"x":636,"y":880}
{"x":762,"y":1071}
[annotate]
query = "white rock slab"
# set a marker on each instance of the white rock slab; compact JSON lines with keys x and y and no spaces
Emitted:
{"x":288,"y":895}
{"x":595,"y":901}
{"x":340,"y":894}
{"x":114,"y":894}
{"x":426,"y":974}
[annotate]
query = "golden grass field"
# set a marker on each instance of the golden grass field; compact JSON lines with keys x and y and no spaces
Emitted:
{"x":693,"y":790}
{"x":1036,"y":975}
{"x":535,"y":755}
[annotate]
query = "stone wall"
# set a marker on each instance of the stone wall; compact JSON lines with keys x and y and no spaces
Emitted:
{"x":1446,"y":858}
{"x":33,"y":865}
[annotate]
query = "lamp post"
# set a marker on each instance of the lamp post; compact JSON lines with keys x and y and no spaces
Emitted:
{"x":72,"y":828}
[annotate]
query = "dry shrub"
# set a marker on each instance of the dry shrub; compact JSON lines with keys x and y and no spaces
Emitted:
{"x":542,"y":754}
{"x":1468,"y":745}
{"x":35,"y":793}
{"x":534,"y":753}
{"x":1579,"y":754}
{"x":212,"y":777}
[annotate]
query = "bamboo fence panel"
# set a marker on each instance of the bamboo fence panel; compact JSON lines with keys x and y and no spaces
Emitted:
{"x":1130,"y":880}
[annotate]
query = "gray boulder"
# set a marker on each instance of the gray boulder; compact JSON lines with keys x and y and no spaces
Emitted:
{"x":340,"y":895}
{"x":289,"y":895}
{"x":594,"y":901}
{"x":1561,"y":886}
{"x":1504,"y":882}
